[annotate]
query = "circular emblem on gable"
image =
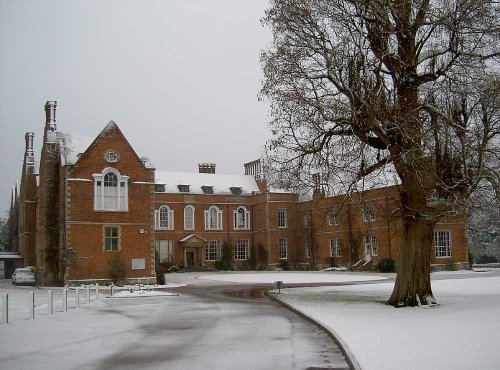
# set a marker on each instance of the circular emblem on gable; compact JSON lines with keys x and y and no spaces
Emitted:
{"x":111,"y":156}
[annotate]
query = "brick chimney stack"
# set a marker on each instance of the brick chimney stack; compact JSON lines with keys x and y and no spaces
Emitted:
{"x":50,"y":121}
{"x":29,"y":154}
{"x":318,"y":189}
{"x":256,"y":169}
{"x":206,"y":167}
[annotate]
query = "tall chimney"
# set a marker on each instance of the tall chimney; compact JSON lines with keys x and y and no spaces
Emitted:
{"x":29,"y":154}
{"x":206,"y":167}
{"x":255,"y":169}
{"x":50,"y":121}
{"x":318,"y":188}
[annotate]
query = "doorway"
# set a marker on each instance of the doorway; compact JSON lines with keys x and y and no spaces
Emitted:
{"x":189,"y":259}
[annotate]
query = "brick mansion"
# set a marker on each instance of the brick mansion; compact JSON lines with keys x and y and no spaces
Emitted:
{"x":94,"y":198}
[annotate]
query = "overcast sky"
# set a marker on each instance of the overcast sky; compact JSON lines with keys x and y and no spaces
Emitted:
{"x":179,"y":77}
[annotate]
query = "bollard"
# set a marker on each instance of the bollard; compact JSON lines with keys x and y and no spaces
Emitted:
{"x":111,"y":290}
{"x":65,"y":300}
{"x":97,"y":291}
{"x":77,"y":297}
{"x":5,"y":308}
{"x":88,"y":294}
{"x":51,"y":303}
{"x":278,"y":285}
{"x":31,"y":305}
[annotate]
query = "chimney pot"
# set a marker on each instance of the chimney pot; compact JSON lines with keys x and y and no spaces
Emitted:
{"x":206,"y":167}
{"x":29,"y":153}
{"x":50,"y":115}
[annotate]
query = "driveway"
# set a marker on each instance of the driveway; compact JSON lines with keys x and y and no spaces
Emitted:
{"x":208,"y":326}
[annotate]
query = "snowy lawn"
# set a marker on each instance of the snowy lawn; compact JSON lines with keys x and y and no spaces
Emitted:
{"x":139,"y":293}
{"x":463,"y":332}
{"x":290,"y":277}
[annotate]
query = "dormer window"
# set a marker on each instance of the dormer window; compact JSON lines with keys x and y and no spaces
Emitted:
{"x":235,"y":190}
{"x":183,"y":188}
{"x":111,"y":156}
{"x":159,"y":188}
{"x":207,"y":189}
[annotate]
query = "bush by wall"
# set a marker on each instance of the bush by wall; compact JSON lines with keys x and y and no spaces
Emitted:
{"x":117,"y":271}
{"x":385,"y":265}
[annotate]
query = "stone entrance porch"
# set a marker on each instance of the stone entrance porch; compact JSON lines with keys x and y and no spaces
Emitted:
{"x":193,"y":250}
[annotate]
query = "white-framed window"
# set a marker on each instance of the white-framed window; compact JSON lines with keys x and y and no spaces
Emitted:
{"x":371,"y":245}
{"x":164,"y":218}
{"x":111,"y":238}
{"x":213,"y":218}
{"x":283,"y":248}
{"x":332,"y":218}
{"x":212,"y":250}
{"x":335,"y":247}
{"x":442,"y":243}
{"x":282,"y":221}
{"x":165,"y":250}
{"x":241,"y":218}
{"x":307,"y":221}
{"x":110,"y":191}
{"x":111,"y":156}
{"x":369,"y":213}
{"x":189,"y":218}
{"x":308,"y":249}
{"x":241,"y":249}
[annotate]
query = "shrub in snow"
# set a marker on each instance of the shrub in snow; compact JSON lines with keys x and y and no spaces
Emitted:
{"x":284,"y":265}
{"x":385,"y":265}
{"x":117,"y":271}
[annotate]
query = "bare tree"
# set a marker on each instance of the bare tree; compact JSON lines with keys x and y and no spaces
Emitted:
{"x":366,"y":91}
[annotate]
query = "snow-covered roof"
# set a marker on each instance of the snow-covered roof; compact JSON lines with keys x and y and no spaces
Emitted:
{"x":71,"y":146}
{"x":221,"y":183}
{"x":186,"y":238}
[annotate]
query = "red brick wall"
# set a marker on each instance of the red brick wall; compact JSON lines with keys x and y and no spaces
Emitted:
{"x":387,"y":228}
{"x":85,"y":226}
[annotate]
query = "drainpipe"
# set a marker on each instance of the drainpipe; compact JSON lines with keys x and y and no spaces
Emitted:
{"x":388,"y":225}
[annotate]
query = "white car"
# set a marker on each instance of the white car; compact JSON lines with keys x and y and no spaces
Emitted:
{"x":23,"y":276}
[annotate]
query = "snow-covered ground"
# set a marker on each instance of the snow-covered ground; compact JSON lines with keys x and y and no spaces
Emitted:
{"x":290,"y":277}
{"x":463,"y":332}
{"x":140,"y":293}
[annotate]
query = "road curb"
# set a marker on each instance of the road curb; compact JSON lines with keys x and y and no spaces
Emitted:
{"x":349,"y":356}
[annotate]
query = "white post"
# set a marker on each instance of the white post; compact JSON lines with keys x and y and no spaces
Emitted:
{"x":51,"y":303}
{"x":88,"y":294}
{"x":65,"y":300}
{"x":77,"y":297}
{"x":5,"y":308}
{"x":97,"y":291}
{"x":31,"y":305}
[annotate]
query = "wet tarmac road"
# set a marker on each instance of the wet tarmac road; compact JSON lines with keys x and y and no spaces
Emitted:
{"x":223,"y":328}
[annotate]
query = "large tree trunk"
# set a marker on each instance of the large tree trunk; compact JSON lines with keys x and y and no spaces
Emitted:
{"x":413,"y":282}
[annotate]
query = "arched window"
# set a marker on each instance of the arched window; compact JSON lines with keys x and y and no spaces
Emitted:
{"x":241,"y":218}
{"x":110,"y":191}
{"x":213,"y":218}
{"x":164,"y":218}
{"x":189,"y":218}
